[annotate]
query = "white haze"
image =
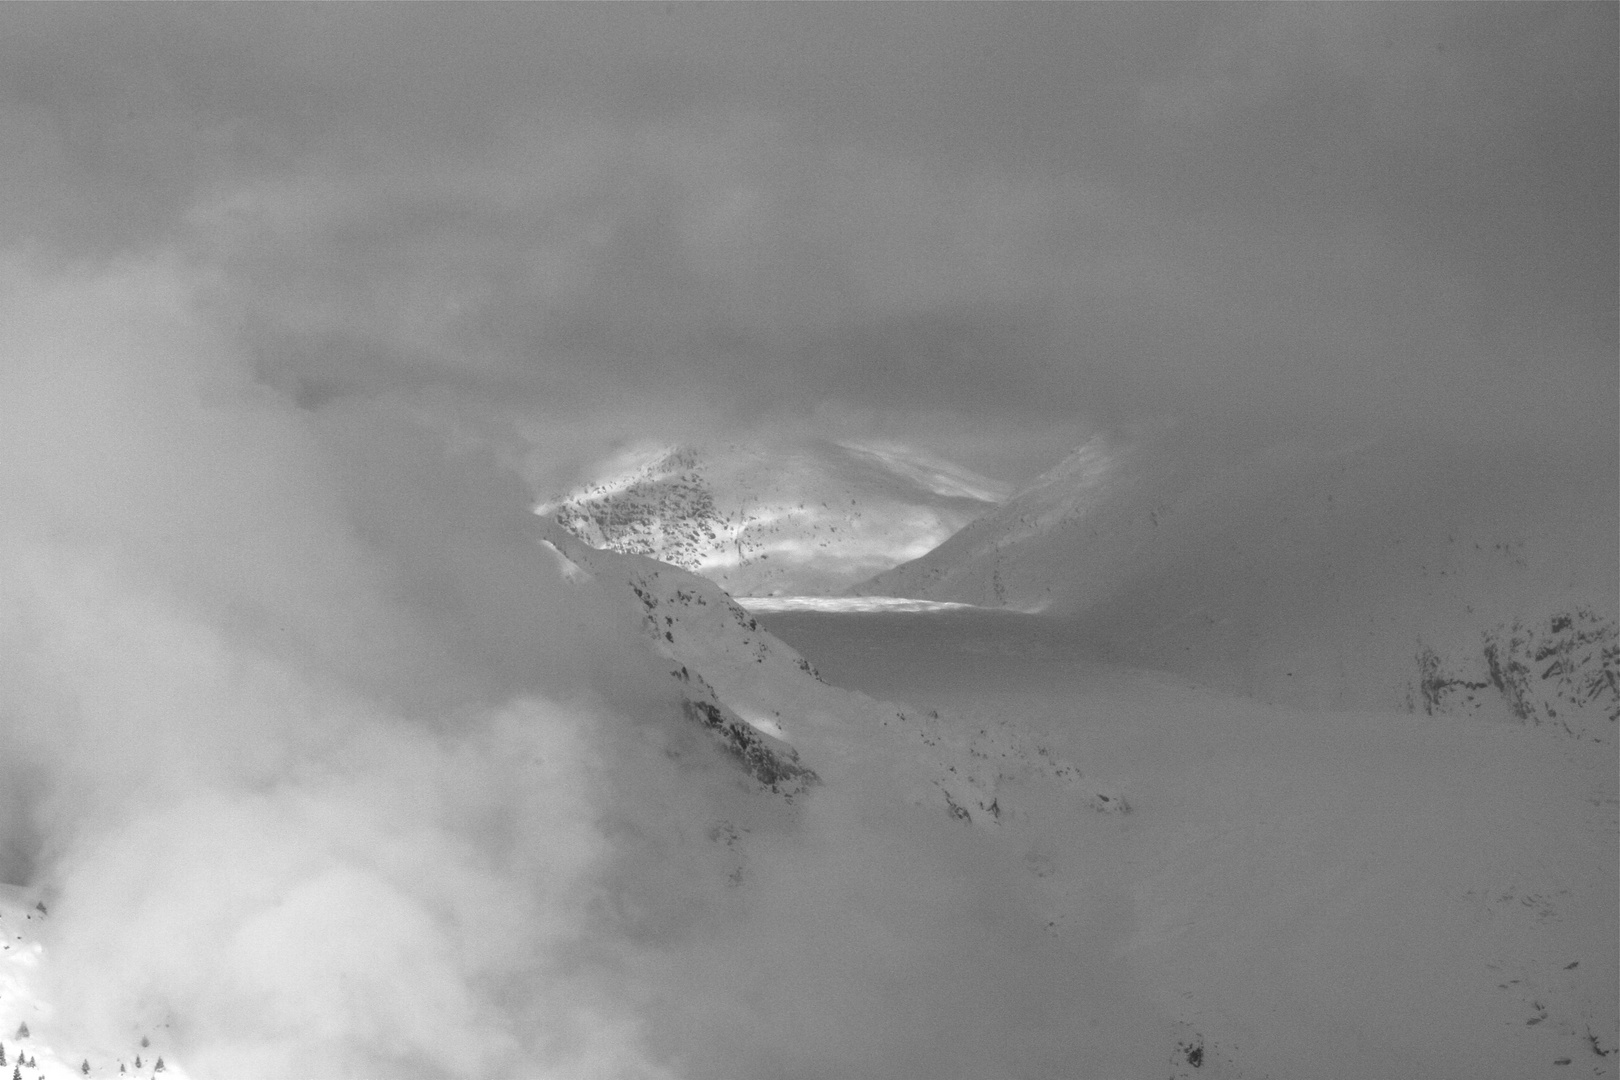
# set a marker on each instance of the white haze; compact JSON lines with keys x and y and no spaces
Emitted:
{"x":318,"y":762}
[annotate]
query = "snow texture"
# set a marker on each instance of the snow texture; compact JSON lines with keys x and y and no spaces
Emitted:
{"x":756,"y":520}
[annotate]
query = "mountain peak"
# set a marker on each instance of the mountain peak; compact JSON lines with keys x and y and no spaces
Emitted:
{"x":810,"y":518}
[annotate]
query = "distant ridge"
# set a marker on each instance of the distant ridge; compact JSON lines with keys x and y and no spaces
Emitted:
{"x":1381,"y":575}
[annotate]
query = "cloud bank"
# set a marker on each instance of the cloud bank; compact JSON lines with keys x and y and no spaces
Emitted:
{"x":1009,"y":218}
{"x":280,"y":793}
{"x":322,"y":768}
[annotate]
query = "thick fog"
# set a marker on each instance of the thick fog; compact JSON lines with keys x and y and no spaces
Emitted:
{"x":313,"y":754}
{"x":319,"y":763}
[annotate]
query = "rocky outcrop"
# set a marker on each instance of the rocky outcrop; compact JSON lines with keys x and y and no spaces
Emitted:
{"x":767,"y":758}
{"x":664,"y":509}
{"x":1561,"y":672}
{"x":808,"y":519}
{"x":770,"y":761}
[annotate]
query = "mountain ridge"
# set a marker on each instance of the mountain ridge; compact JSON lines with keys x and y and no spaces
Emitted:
{"x":806,"y":518}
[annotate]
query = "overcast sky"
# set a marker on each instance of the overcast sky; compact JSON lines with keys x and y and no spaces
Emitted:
{"x":988,"y":221}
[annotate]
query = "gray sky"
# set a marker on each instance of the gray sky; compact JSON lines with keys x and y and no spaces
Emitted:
{"x":984,"y":220}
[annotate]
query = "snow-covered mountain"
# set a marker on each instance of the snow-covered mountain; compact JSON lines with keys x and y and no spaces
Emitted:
{"x":1249,"y":913}
{"x":1388,"y":574}
{"x":806,"y":518}
{"x":768,"y":708}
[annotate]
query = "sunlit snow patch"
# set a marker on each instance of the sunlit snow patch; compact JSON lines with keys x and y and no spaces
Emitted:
{"x":34,"y":1040}
{"x":760,"y":722}
{"x":805,"y":517}
{"x":848,"y":603}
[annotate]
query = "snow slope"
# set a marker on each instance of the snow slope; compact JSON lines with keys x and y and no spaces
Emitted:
{"x":1305,"y":893}
{"x":790,"y":729}
{"x":1292,"y":893}
{"x":1381,"y":575}
{"x":33,"y":1043}
{"x":807,"y":518}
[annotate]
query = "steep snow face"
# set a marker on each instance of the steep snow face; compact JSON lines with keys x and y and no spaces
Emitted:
{"x":789,"y":729}
{"x":1383,"y":575}
{"x":813,"y":518}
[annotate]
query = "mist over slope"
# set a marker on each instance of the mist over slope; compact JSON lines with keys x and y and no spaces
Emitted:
{"x":765,"y":702}
{"x":804,"y":517}
{"x":329,"y":758}
{"x":1383,"y":574}
{"x":324,"y":765}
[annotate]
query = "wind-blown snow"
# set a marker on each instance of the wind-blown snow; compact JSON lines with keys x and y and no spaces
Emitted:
{"x":945,"y":478}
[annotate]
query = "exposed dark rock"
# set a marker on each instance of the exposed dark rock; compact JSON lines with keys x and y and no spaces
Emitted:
{"x":1563,"y":672}
{"x":1435,"y":686}
{"x":770,"y":761}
